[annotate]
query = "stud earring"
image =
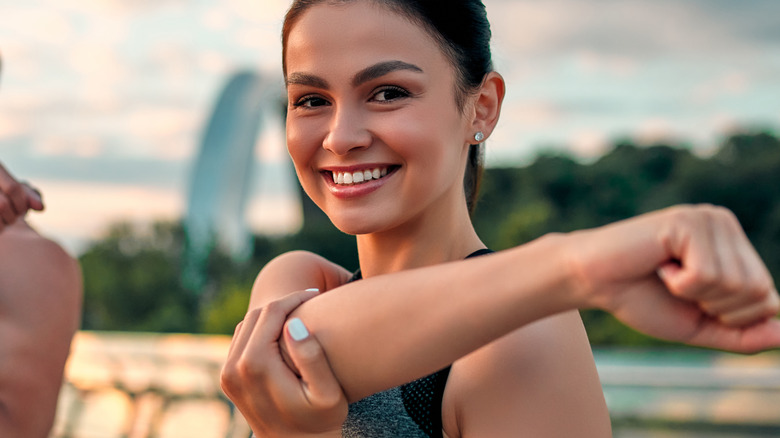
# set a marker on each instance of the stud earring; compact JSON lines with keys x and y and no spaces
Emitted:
{"x":479,"y":136}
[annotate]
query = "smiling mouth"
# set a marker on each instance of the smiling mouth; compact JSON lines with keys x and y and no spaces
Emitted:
{"x":360,"y":176}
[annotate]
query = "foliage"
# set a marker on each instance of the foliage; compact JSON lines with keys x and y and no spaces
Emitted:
{"x":133,"y":277}
{"x":558,"y":194}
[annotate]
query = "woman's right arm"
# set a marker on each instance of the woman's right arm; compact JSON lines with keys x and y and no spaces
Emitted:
{"x":713,"y":290}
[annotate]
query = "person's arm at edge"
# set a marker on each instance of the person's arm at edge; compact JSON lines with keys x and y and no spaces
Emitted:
{"x":40,"y":305}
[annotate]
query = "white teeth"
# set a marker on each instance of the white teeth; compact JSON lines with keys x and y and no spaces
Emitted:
{"x":359,"y":176}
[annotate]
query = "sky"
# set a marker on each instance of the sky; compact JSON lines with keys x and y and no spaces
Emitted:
{"x":103,"y":102}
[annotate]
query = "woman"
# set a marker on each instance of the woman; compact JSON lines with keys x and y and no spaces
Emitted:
{"x":389,"y":101}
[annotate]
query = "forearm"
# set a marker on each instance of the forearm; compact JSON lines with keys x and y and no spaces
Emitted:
{"x":387,"y":330}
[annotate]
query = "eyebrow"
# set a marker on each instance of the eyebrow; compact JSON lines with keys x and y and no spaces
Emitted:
{"x":367,"y":74}
{"x":381,"y":69}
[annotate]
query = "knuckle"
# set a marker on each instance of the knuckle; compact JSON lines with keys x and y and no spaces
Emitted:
{"x":15,"y":189}
{"x":774,"y":304}
{"x":254,"y":313}
{"x":229,"y":379}
{"x":758,"y":293}
{"x":705,"y":277}
{"x":273,"y":308}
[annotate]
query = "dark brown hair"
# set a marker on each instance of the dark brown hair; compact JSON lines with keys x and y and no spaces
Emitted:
{"x":462,"y":30}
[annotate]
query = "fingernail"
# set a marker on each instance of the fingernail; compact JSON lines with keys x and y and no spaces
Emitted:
{"x":313,"y":289}
{"x":297,"y":330}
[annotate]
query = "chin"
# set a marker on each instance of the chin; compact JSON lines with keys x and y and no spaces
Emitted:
{"x":360,"y":225}
{"x":352,"y":228}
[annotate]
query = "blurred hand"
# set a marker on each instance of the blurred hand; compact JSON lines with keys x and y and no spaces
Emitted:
{"x":686,"y":274}
{"x":302,"y":399}
{"x":16,"y":199}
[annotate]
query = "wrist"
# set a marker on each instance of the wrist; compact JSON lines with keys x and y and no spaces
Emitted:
{"x":573,"y":281}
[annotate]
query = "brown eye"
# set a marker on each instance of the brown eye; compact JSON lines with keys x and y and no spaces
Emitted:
{"x":389,"y":94}
{"x":310,"y":102}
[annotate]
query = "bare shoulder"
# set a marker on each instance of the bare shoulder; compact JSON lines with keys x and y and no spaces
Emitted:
{"x":295,"y":271}
{"x":539,"y":380}
{"x":32,"y":266}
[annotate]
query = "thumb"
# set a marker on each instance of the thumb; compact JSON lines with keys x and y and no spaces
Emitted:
{"x":318,"y":381}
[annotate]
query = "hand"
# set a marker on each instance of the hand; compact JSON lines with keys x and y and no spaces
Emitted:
{"x":274,"y":399}
{"x":686,"y":274}
{"x":15,"y":199}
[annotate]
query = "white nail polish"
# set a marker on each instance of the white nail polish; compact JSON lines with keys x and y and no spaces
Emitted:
{"x":313,"y":289}
{"x":297,"y":330}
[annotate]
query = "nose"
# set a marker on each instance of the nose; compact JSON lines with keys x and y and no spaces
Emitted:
{"x":347,"y":132}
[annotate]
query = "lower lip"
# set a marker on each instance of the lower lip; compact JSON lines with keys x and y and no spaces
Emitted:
{"x":355,"y":190}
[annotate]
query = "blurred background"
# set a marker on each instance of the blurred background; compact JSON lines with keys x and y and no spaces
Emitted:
{"x":155,"y":131}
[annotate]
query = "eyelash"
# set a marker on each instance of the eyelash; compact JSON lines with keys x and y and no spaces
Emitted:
{"x":402,"y":93}
{"x":307,"y":100}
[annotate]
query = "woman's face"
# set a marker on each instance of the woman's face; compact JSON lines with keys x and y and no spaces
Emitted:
{"x":373,"y":129}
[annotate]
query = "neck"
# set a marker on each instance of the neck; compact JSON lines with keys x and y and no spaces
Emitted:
{"x":430,"y":239}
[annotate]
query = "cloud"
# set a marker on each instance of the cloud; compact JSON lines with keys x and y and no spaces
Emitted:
{"x":78,"y":212}
{"x":83,"y":146}
{"x":632,"y":27}
{"x":725,"y":84}
{"x":11,"y":126}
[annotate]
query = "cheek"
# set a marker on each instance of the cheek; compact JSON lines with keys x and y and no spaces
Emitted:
{"x":301,"y":144}
{"x":429,"y":138}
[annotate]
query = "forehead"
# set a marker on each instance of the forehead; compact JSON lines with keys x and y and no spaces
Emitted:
{"x":356,"y":34}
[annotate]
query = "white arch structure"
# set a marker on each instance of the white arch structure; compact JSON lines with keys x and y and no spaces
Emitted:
{"x":222,"y":175}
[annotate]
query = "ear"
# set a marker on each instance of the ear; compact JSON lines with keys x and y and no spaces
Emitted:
{"x":487,"y":105}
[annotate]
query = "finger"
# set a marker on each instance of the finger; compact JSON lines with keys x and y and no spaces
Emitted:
{"x":14,"y":192}
{"x":18,"y":198}
{"x":752,"y":314}
{"x":234,"y":338}
{"x":319,"y":384}
{"x":34,"y":197}
{"x":693,"y":246}
{"x":275,"y":314}
{"x":750,"y":294}
{"x":732,"y":273}
{"x":752,"y":339}
{"x":7,"y":214}
{"x":235,"y":367}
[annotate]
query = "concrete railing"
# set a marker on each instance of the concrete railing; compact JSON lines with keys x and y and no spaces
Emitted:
{"x":122,"y":385}
{"x":128,"y":385}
